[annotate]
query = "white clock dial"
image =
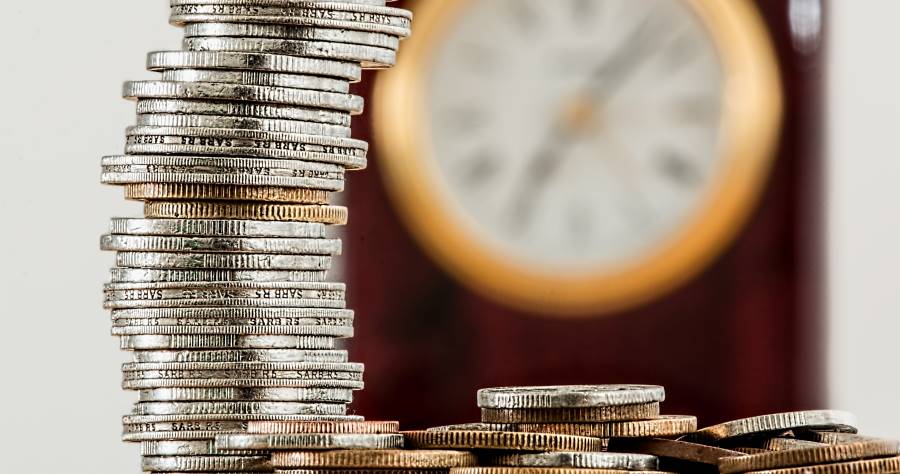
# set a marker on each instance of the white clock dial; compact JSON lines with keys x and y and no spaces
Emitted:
{"x":576,"y":133}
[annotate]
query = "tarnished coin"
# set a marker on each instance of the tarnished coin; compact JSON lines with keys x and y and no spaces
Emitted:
{"x":543,"y":470}
{"x":205,"y":463}
{"x":163,"y":60}
{"x":224,"y":341}
{"x":147,"y":243}
{"x":826,"y":420}
{"x":370,"y":57}
{"x":665,"y":425}
{"x":374,"y":459}
{"x":585,"y":460}
{"x":869,"y":466}
{"x":242,"y":109}
{"x":336,"y":215}
{"x":569,"y":396}
{"x":327,"y":427}
{"x":312,"y":441}
{"x":241,"y":92}
{"x":219,"y":192}
{"x":248,"y":261}
{"x":183,"y":394}
{"x":672,"y":449}
{"x":238,"y":408}
{"x":254,"y":78}
{"x":805,"y":455}
{"x":643,"y":411}
{"x":500,"y":440}
{"x":217,"y":228}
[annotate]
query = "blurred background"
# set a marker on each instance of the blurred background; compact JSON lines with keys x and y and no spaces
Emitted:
{"x":691,"y":193}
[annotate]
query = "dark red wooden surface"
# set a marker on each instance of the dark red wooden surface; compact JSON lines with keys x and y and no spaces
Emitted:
{"x":741,"y":339}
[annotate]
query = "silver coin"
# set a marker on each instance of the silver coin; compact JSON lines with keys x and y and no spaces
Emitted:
{"x":244,"y":123}
{"x":188,"y":448}
{"x":258,"y":78}
{"x":822,"y":420}
{"x":217,"y":228}
{"x":205,"y":463}
{"x":321,"y":395}
{"x":579,"y":460}
{"x":475,"y":427}
{"x":249,"y":379}
{"x":240,"y":92}
{"x":163,"y":60}
{"x":250,"y":30}
{"x":240,"y":289}
{"x":151,"y":243}
{"x":238,"y":408}
{"x":224,"y":341}
{"x":173,"y":144}
{"x":262,"y":323}
{"x":222,"y":261}
{"x":266,"y":314}
{"x":314,"y":441}
{"x":329,"y":185}
{"x":240,"y":355}
{"x":361,"y":16}
{"x":139,"y":275}
{"x":368,"y":56}
{"x":242,"y":109}
{"x":114,"y":302}
{"x":229,"y":137}
{"x":569,"y":396}
{"x":340,"y":332}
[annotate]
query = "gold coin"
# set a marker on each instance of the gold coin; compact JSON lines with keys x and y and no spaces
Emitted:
{"x":642,"y":411}
{"x":855,"y":467}
{"x":248,"y":211}
{"x":672,"y":449}
{"x":374,"y":459}
{"x":504,"y":440}
{"x":326,"y":427}
{"x":811,"y":455}
{"x":217,"y":192}
{"x":666,"y":425}
{"x":543,"y":470}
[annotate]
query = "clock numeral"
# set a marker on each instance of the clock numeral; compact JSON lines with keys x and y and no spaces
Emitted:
{"x":679,"y":169}
{"x":584,"y":12}
{"x":479,"y":169}
{"x":579,"y":226}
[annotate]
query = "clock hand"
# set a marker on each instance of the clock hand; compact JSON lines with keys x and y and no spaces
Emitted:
{"x":538,"y":173}
{"x":612,"y":73}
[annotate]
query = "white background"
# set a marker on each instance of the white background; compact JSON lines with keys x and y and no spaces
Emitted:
{"x":63,"y":65}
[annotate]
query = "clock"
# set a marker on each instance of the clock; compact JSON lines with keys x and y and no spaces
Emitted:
{"x":578,"y":157}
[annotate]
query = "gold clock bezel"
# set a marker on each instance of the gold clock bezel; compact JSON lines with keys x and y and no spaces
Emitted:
{"x":751,"y":118}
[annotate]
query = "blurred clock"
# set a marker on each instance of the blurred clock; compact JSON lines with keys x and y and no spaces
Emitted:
{"x":578,"y":156}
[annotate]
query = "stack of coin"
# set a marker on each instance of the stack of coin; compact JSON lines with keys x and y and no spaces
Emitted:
{"x":804,"y":442}
{"x":598,"y":411}
{"x":220,"y":288}
{"x":364,"y":447}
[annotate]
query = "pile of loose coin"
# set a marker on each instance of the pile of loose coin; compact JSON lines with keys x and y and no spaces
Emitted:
{"x":220,"y":289}
{"x":617,"y":428}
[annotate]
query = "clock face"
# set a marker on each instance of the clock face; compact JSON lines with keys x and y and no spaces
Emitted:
{"x":578,"y":156}
{"x":576,"y":134}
